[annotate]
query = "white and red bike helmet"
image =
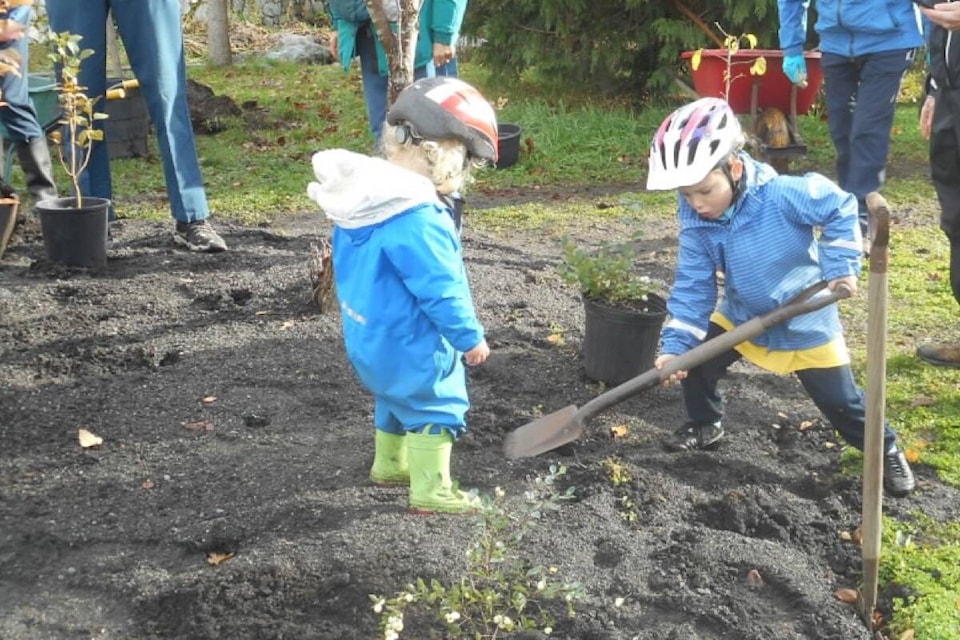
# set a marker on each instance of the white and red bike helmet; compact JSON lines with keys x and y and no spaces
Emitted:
{"x":442,"y":108}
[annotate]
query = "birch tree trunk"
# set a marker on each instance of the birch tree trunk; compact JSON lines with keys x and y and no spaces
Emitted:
{"x":401,"y":47}
{"x":218,"y":33}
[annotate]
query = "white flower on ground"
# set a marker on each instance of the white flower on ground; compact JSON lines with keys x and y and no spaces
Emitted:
{"x":541,"y":585}
{"x":408,"y":597}
{"x":547,"y":630}
{"x":499,"y":492}
{"x":452,"y":617}
{"x":378,"y":605}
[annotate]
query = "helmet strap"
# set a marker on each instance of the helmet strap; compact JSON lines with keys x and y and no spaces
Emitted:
{"x":736,"y":184}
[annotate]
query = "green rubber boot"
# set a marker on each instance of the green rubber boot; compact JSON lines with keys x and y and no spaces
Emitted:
{"x":431,"y":489}
{"x":389,"y":459}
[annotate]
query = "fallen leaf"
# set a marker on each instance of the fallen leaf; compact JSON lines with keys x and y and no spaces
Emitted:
{"x":912,"y":455}
{"x":208,"y":399}
{"x":806,"y":424}
{"x":782,"y":415}
{"x":263,"y":312}
{"x":829,"y":445}
{"x":845,"y":536}
{"x":147,"y":484}
{"x":198,"y":425}
{"x":286,"y":325}
{"x":754,"y":579}
{"x":88,"y":439}
{"x":858,"y":535}
{"x":907,"y":635}
{"x":619,"y":431}
{"x":218,"y":558}
{"x":849,"y":596}
{"x":555,"y":339}
{"x":922,"y":401}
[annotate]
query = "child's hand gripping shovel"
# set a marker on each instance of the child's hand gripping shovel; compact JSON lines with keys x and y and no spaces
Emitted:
{"x":566,"y":425}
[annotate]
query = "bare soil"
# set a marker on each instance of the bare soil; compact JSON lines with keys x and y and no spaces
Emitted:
{"x":233,"y":424}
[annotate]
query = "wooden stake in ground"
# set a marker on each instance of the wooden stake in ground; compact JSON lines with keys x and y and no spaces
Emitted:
{"x":321,"y":275}
{"x":876,"y":401}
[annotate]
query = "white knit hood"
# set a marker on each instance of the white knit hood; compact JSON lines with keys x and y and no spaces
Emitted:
{"x":356,"y":191}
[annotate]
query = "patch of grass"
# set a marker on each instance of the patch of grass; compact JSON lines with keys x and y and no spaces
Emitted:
{"x":924,"y":555}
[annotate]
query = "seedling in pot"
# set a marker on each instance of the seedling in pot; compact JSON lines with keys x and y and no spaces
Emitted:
{"x":79,"y":115}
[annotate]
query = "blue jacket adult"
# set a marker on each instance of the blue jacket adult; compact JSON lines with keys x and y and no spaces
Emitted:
{"x":440,"y":22}
{"x":768,"y":253}
{"x":405,"y":302}
{"x":851,"y":27}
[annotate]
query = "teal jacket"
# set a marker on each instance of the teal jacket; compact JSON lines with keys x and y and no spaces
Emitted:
{"x":440,"y":22}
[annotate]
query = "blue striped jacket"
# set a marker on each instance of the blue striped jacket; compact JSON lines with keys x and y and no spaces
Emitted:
{"x":787,"y":232}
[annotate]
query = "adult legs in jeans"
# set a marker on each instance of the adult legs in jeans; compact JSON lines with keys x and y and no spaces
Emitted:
{"x":861,"y":98}
{"x":153,"y":38}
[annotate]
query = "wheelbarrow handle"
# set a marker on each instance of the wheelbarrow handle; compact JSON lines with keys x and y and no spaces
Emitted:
{"x":805,"y":302}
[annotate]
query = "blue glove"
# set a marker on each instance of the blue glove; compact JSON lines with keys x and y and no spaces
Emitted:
{"x":795,"y":68}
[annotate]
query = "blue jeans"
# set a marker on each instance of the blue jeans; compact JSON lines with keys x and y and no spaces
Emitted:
{"x":833,"y":390}
{"x":17,"y":113}
{"x":861,"y":97}
{"x":374,"y":84}
{"x":449,"y":69}
{"x":152,"y":35}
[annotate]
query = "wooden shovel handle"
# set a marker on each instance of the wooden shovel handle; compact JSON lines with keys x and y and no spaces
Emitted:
{"x":805,"y":302}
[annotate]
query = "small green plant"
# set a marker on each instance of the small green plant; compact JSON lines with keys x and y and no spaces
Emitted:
{"x":731,"y":46}
{"x":77,"y":107}
{"x":499,"y":593}
{"x":607,"y":275}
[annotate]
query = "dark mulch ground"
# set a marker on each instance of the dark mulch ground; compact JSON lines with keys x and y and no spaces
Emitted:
{"x":232,"y":423}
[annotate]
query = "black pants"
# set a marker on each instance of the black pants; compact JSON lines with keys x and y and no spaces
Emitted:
{"x":833,"y":390}
{"x":945,"y":172}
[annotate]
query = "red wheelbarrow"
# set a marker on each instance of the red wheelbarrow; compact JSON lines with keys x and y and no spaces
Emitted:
{"x":750,"y":94}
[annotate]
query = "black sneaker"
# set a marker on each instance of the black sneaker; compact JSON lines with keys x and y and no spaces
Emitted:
{"x":898,"y":479}
{"x":695,"y":435}
{"x":198,"y":236}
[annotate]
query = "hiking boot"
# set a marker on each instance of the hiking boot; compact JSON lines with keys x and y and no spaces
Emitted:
{"x":943,"y":354}
{"x":198,"y":236}
{"x":695,"y":435}
{"x":898,"y":478}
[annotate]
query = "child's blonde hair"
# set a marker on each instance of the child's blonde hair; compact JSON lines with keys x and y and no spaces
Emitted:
{"x":445,"y":162}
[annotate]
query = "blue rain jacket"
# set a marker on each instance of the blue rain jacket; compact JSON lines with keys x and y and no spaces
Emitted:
{"x":405,"y":301}
{"x":787,"y":233}
{"x":852,"y":28}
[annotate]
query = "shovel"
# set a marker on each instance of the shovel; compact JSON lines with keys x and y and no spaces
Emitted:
{"x":566,"y":425}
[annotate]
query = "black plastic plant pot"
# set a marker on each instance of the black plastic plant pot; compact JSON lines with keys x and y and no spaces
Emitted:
{"x":508,"y":144}
{"x":619,"y":344}
{"x":75,"y":236}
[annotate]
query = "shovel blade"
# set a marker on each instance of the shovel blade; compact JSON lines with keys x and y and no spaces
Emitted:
{"x":544,"y":434}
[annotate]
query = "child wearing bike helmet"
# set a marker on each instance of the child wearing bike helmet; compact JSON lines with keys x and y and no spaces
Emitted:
{"x":771,"y":236}
{"x":408,"y":316}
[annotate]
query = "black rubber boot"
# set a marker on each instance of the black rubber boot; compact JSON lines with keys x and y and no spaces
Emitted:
{"x":37,"y":166}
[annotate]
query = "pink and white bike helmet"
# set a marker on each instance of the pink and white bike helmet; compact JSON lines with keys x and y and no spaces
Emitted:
{"x":691,"y":142}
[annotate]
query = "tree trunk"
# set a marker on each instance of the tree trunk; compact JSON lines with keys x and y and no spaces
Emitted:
{"x":401,"y":50}
{"x":218,"y":33}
